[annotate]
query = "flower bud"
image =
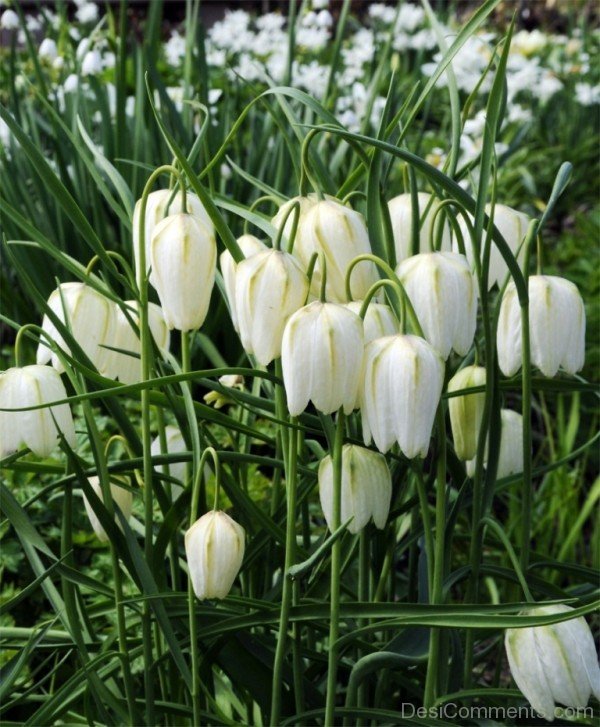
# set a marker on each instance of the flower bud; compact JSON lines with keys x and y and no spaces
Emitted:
{"x":466,"y":412}
{"x":510,"y":459}
{"x":214,"y":548}
{"x":366,"y":488}
{"x":340,"y":234}
{"x":126,"y":366}
{"x":249,"y":245}
{"x":321,"y":357}
{"x":37,"y":429}
{"x":157,"y":207}
{"x":269,"y":287}
{"x":443,"y":292}
{"x":184,"y":258}
{"x":555,"y":663}
{"x":401,"y":218}
{"x":121,"y":497}
{"x":91,"y":318}
{"x":556,"y":327}
{"x":402,"y":385}
{"x":512,"y":225}
{"x":379,"y":320}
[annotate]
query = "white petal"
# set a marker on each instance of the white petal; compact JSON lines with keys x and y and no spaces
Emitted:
{"x":527,"y":670}
{"x":508,"y":336}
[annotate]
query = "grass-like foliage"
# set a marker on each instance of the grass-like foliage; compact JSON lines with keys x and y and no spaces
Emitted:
{"x":308,"y":610}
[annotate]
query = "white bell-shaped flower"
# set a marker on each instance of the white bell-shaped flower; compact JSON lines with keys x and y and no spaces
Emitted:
{"x":249,"y":245}
{"x":379,"y":320}
{"x":402,"y":385}
{"x":510,"y":457}
{"x":157,"y":208}
{"x":37,"y":429}
{"x":321,"y":356}
{"x":466,"y":411}
{"x":339,"y":234}
{"x":184,"y":259}
{"x":400,"y":209}
{"x":175,"y":444}
{"x":126,"y":366}
{"x":366,"y":488}
{"x":214,"y":549}
{"x":443,"y":293}
{"x":306,"y":204}
{"x":269,"y":287}
{"x":121,"y":496}
{"x":554,"y":664}
{"x":556,"y":327}
{"x":512,"y":225}
{"x":91,"y":318}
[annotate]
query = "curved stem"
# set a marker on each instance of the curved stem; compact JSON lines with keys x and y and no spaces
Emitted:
{"x":497,"y":528}
{"x":336,"y":562}
{"x":384,"y":283}
{"x":294,"y":209}
{"x":305,"y":174}
{"x":19,"y":336}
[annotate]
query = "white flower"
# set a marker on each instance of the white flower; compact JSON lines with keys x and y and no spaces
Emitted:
{"x":87,"y":13}
{"x":443,"y":292}
{"x":586,"y":94}
{"x":175,"y":445}
{"x":340,"y":234}
{"x":37,"y":429}
{"x":379,"y":320}
{"x":82,"y":48}
{"x":91,"y":318}
{"x":184,"y":259}
{"x":157,"y":208}
{"x":466,"y":411}
{"x":512,"y":225}
{"x":555,"y":663}
{"x":510,"y":459}
{"x":556,"y":324}
{"x":320,"y":4}
{"x":47,"y":50}
{"x":126,"y":367}
{"x":321,"y":356}
{"x":71,"y":83}
{"x":306,"y":204}
{"x":121,"y":497}
{"x":528,"y":42}
{"x":269,"y":287}
{"x":366,"y":488}
{"x":214,"y":549}
{"x":249,"y":245}
{"x":175,"y":49}
{"x":58,"y":63}
{"x":91,"y":64}
{"x":9,"y":20}
{"x":400,"y":208}
{"x":402,"y":384}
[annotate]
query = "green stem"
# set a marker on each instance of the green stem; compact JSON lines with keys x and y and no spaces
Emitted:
{"x":497,"y":528}
{"x":427,"y":529}
{"x":437,"y":594}
{"x":290,"y":559}
{"x":363,"y":597}
{"x":336,"y":562}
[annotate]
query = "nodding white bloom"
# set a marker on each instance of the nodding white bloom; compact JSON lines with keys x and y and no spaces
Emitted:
{"x":37,"y":429}
{"x":556,"y":327}
{"x":48,"y":50}
{"x":510,"y":459}
{"x":443,"y":292}
{"x":91,"y":65}
{"x":269,"y":287}
{"x":91,"y":318}
{"x":340,"y":234}
{"x":249,"y":245}
{"x":555,"y":663}
{"x":126,"y":367}
{"x":322,"y":356}
{"x":366,"y":488}
{"x":157,"y":207}
{"x":184,"y":260}
{"x":466,"y":411}
{"x":214,"y":548}
{"x":175,"y":443}
{"x":306,"y":204}
{"x":400,"y":209}
{"x":9,"y":20}
{"x":121,"y":497}
{"x":512,"y":225}
{"x":379,"y":320}
{"x":402,"y":385}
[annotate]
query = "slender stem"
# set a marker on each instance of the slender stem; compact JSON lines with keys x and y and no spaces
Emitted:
{"x":497,"y":528}
{"x":363,"y":597}
{"x":437,"y":594}
{"x":526,"y":411}
{"x":427,"y":529}
{"x":290,"y":559}
{"x":336,"y":562}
